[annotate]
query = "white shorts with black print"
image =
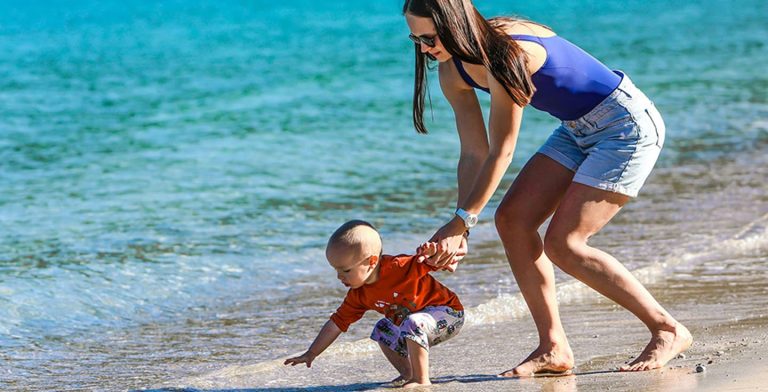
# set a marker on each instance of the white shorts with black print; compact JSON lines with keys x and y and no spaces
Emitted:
{"x":428,"y":327}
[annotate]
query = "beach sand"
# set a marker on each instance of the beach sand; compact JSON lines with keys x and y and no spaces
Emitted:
{"x":718,"y":289}
{"x":731,"y":344}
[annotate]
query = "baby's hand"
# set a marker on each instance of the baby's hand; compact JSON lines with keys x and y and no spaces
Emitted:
{"x":307,"y":358}
{"x":428,"y":249}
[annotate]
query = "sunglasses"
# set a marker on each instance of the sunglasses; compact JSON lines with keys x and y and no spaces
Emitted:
{"x":420,"y":39}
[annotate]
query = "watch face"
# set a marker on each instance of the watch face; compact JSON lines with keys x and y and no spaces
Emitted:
{"x":471,"y":220}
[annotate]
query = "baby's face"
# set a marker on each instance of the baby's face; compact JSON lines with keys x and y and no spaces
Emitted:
{"x":352,"y":269}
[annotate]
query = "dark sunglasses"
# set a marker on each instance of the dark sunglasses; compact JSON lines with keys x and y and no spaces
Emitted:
{"x":420,"y":39}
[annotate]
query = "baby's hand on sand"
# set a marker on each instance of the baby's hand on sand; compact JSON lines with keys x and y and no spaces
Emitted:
{"x":307,"y":358}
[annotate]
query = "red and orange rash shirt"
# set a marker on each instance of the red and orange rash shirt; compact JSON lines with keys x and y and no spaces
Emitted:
{"x":404,"y":286}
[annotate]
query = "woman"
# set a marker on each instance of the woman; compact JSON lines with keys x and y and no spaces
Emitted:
{"x":610,"y":137}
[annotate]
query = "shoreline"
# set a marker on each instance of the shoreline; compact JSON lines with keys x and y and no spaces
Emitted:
{"x":724,"y":312}
{"x":602,"y":336}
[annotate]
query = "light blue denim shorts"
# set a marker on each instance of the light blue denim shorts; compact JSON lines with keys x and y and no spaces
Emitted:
{"x":615,"y":145}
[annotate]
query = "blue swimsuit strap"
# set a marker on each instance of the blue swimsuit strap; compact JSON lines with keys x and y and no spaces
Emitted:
{"x":530,"y":38}
{"x":471,"y":82}
{"x":465,"y":75}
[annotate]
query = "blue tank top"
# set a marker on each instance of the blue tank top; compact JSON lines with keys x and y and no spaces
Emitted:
{"x":569,"y":84}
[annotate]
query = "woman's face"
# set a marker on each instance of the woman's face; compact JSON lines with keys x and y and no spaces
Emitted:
{"x":425,"y":28}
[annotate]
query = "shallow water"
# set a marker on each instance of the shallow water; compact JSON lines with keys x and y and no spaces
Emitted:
{"x":171,"y":171}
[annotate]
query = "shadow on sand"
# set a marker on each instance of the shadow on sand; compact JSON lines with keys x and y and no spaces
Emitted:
{"x":467,"y":379}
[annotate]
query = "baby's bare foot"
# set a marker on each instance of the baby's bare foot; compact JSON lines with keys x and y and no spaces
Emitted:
{"x":558,"y":361}
{"x":664,"y":346}
{"x":415,"y":384}
{"x":399,"y":381}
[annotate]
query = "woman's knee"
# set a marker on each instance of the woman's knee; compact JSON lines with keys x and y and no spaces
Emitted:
{"x":562,"y":247}
{"x":511,"y":219}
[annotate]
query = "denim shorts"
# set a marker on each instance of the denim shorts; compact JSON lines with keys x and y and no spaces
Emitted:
{"x":615,"y":145}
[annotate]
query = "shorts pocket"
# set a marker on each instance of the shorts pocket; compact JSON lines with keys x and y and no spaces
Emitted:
{"x":617,"y":115}
{"x":658,"y":125}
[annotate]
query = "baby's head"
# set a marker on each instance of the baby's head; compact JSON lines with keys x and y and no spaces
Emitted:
{"x":354,"y":250}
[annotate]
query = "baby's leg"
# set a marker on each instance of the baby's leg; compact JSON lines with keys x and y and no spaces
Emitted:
{"x":387,"y":334}
{"x":421,"y":330}
{"x":415,"y":330}
{"x":419,"y":359}
{"x":400,"y":363}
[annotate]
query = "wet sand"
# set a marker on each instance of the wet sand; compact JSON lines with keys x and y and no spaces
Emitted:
{"x":733,"y":362}
{"x":718,"y":289}
{"x":732,"y":345}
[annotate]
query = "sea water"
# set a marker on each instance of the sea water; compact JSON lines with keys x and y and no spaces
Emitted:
{"x":170,"y":171}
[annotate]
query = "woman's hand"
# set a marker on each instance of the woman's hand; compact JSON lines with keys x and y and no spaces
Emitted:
{"x":429,"y":249}
{"x":451,"y":245}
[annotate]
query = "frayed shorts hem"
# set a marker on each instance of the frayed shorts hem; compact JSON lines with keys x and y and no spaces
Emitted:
{"x":583,"y":179}
{"x":604,"y":185}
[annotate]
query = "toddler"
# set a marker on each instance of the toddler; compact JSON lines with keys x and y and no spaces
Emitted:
{"x":419,"y":312}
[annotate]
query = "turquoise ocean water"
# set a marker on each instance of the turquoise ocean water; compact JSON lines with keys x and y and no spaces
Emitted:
{"x":170,"y":171}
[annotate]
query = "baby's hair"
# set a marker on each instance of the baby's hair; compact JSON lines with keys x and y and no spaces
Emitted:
{"x":350,"y":235}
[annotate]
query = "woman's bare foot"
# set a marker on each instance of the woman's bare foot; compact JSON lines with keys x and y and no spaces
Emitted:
{"x":664,"y":345}
{"x":558,"y":360}
{"x":415,"y":384}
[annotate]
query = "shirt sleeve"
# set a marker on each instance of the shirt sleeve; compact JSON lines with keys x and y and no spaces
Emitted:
{"x":349,"y":312}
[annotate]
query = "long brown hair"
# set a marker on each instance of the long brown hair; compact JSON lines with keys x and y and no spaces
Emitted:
{"x":471,"y":38}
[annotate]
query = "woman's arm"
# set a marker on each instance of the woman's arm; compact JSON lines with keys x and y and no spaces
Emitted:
{"x":504,"y":125}
{"x":481,"y":174}
{"x":470,"y":125}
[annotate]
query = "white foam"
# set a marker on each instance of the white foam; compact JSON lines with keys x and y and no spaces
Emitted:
{"x":751,"y":241}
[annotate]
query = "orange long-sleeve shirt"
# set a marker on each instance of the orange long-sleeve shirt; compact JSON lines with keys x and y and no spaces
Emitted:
{"x":404,"y":286}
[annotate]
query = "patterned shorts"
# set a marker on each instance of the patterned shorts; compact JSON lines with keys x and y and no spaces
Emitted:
{"x":428,"y":327}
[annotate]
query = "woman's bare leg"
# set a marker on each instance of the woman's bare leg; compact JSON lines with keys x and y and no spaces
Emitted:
{"x":532,"y":198}
{"x":582,"y":213}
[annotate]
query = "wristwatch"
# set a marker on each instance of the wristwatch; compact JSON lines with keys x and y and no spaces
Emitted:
{"x":470,"y":220}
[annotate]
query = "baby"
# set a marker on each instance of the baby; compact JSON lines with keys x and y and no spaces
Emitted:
{"x":419,"y":311}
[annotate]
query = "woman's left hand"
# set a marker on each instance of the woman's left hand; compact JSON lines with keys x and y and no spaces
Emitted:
{"x":450,"y":244}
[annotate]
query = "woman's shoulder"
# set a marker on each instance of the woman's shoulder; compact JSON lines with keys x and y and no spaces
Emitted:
{"x":450,"y":79}
{"x":522,"y":27}
{"x":537,"y":54}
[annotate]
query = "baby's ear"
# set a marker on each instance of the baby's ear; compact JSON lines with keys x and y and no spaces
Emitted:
{"x":373,"y":260}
